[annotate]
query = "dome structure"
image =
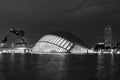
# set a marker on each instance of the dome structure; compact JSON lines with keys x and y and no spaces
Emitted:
{"x":59,"y":41}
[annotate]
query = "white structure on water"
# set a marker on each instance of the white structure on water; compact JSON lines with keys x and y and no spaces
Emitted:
{"x":54,"y":43}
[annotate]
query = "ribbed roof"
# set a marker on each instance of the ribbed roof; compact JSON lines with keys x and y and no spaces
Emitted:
{"x":69,"y":36}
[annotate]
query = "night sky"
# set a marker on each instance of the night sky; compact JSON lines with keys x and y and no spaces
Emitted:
{"x":85,"y":18}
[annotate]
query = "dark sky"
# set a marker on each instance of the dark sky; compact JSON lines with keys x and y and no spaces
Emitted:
{"x":85,"y":18}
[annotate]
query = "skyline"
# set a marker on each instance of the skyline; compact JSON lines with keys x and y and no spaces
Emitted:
{"x":86,"y":19}
{"x":21,"y":37}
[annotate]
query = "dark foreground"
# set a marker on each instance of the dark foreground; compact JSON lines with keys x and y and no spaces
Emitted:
{"x":59,"y":67}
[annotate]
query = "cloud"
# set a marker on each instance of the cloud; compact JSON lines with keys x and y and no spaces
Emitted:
{"x":82,"y":7}
{"x":40,"y":11}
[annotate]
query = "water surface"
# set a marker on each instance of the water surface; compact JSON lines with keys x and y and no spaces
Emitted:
{"x":59,"y":67}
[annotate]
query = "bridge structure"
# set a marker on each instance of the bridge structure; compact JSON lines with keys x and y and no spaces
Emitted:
{"x":56,"y":43}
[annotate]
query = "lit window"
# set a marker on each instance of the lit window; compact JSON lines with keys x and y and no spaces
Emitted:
{"x":63,"y":43}
{"x":66,"y":44}
{"x":55,"y":39}
{"x":58,"y":40}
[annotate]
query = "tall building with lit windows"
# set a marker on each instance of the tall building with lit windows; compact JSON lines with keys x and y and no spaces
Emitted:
{"x":108,"y":36}
{"x":59,"y":41}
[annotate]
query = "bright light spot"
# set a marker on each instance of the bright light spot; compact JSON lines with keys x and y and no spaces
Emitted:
{"x":21,"y":48}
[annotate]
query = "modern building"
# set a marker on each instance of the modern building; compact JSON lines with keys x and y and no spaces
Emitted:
{"x":60,"y":41}
{"x":108,"y":36}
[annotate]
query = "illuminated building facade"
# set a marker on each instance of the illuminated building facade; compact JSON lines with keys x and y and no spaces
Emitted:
{"x":108,"y":36}
{"x":54,"y":43}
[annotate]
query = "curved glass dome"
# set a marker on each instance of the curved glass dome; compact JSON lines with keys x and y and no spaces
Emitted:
{"x":58,"y":42}
{"x":52,"y":43}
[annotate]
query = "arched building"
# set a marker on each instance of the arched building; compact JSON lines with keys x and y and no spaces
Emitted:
{"x":60,"y":41}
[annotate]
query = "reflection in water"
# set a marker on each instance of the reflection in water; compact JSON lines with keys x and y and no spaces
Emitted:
{"x":2,"y":77}
{"x":106,"y":67}
{"x":32,"y":67}
{"x":46,"y":67}
{"x":56,"y":66}
{"x":59,"y":67}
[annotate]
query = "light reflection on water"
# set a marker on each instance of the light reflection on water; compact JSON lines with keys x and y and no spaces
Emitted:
{"x":59,"y":67}
{"x":53,"y":69}
{"x":106,"y":67}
